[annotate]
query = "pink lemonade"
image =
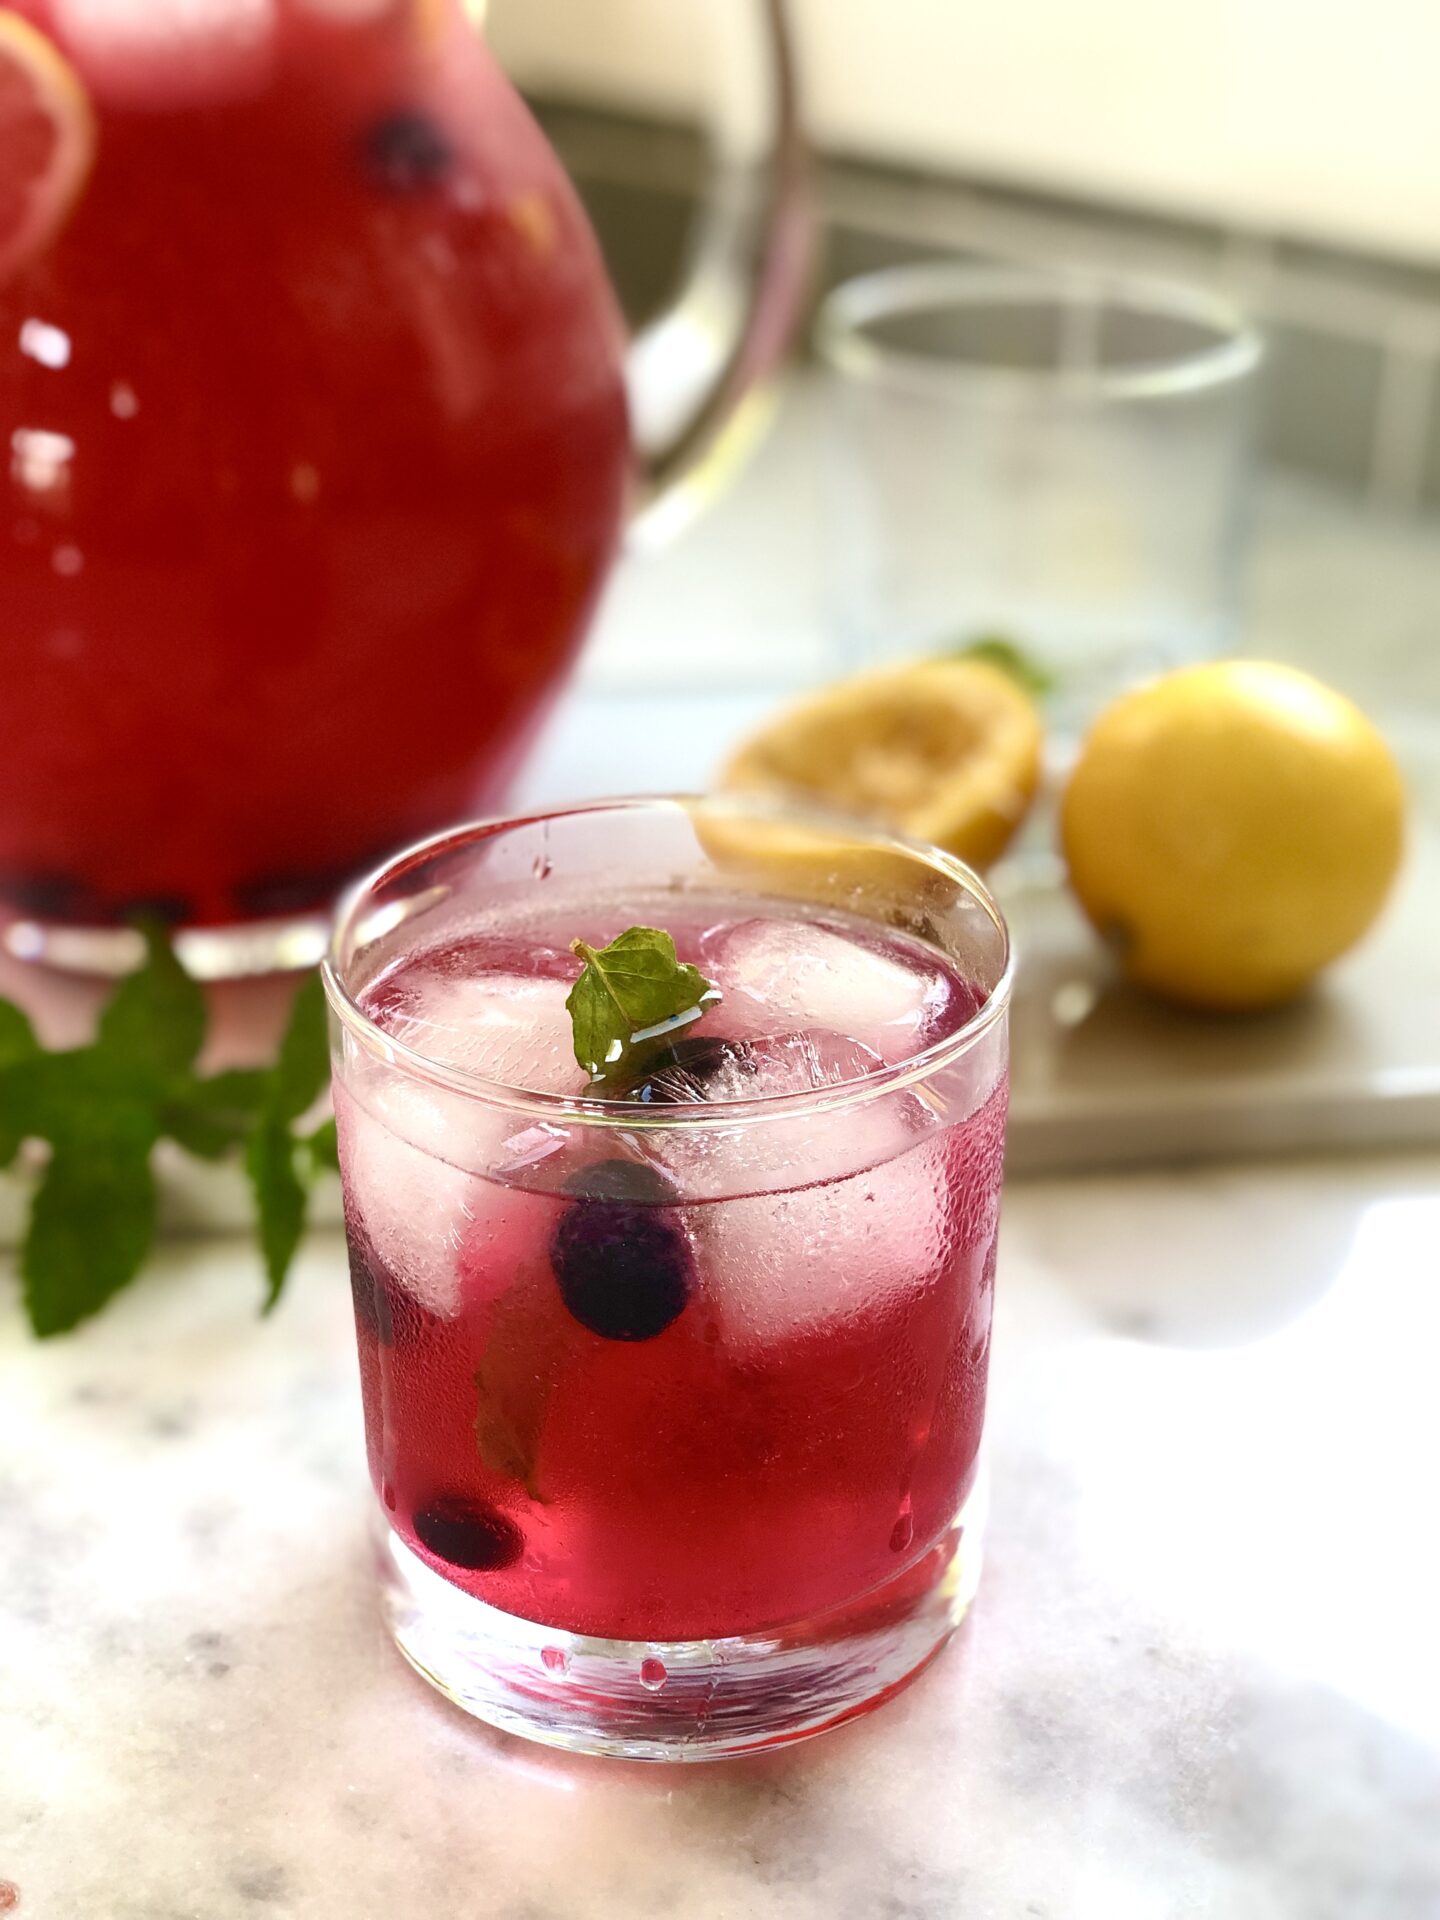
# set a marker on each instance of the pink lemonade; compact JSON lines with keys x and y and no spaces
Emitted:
{"x":676,"y":1383}
{"x":318,"y":452}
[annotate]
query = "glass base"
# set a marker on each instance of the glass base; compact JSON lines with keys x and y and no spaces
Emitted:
{"x":689,"y":1699}
{"x":246,"y":951}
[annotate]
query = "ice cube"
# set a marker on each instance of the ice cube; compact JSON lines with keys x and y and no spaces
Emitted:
{"x":786,"y":1147}
{"x":427,"y":1168}
{"x":779,"y":976}
{"x":510,"y":1028}
{"x":414,"y":1159}
{"x":779,"y":1266}
{"x":710,"y":1068}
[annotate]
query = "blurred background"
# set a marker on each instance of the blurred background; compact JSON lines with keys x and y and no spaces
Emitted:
{"x":1287,"y":161}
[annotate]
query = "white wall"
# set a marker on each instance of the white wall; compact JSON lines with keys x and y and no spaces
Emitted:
{"x":1319,"y":117}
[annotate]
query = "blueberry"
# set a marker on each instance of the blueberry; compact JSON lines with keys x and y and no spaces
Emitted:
{"x":370,"y":1293}
{"x":466,"y":1533}
{"x":621,"y":1261}
{"x":406,"y":152}
{"x":633,"y":1180}
{"x":684,"y":1070}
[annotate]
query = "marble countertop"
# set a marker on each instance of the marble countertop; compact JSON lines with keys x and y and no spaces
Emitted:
{"x":1199,"y":1680}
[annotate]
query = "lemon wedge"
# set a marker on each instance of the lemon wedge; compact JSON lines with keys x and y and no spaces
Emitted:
{"x":942,"y":750}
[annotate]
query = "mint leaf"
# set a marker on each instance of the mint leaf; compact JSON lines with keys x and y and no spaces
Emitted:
{"x":102,"y":1107}
{"x":999,"y":650}
{"x":629,"y":991}
{"x":294,"y":1084}
{"x":526,"y":1342}
{"x":17,"y":1043}
{"x":93,"y":1214}
{"x":211,"y":1117}
{"x":92,"y":1219}
{"x":507,"y":1445}
{"x":324,"y":1148}
{"x":17,"y":1036}
{"x":280,"y":1196}
{"x":155,"y":1020}
{"x":302,"y":1071}
{"x":65,"y":1097}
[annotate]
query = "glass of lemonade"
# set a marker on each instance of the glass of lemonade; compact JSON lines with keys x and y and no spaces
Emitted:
{"x":674,"y":1379}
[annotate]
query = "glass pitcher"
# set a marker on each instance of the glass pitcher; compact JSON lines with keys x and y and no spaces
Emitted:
{"x":319,"y":422}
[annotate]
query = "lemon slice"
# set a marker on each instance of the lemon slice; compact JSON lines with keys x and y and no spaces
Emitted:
{"x":943,"y":750}
{"x":47,"y":141}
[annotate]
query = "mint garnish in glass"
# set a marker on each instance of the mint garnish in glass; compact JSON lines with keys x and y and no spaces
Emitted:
{"x":631,"y":994}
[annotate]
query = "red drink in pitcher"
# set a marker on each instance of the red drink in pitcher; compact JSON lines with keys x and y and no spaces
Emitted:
{"x":310,"y":385}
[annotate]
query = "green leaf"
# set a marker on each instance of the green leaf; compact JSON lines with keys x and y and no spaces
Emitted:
{"x":17,"y":1043}
{"x":526,"y":1343}
{"x":155,"y":1019}
{"x":65,"y":1097}
{"x":92,"y":1220}
{"x":628,"y":990}
{"x":211,"y":1117}
{"x":302,"y":1071}
{"x":102,"y":1107}
{"x":279,"y":1198}
{"x":506,"y":1445}
{"x":324,"y":1147}
{"x":999,"y":650}
{"x":293,"y":1085}
{"x":17,"y":1036}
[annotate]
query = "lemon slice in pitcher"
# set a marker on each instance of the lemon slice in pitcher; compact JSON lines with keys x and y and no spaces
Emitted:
{"x":946,"y":750}
{"x":47,"y":141}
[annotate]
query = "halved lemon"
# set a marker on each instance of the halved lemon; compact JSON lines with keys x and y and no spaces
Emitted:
{"x":47,"y":141}
{"x":943,"y":750}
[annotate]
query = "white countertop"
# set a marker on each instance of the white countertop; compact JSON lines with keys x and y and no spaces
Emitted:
{"x":1200,"y":1679}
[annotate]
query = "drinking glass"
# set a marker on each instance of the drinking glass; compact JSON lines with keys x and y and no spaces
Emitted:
{"x":1058,"y":457}
{"x":673,"y":1400}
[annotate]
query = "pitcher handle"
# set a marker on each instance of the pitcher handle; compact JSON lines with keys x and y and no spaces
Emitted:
{"x":694,"y":373}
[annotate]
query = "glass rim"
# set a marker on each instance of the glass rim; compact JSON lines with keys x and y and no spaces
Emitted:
{"x":845,"y":342}
{"x":583,"y":1110}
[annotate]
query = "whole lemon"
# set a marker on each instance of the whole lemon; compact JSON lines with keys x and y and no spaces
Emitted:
{"x":1232,"y":827}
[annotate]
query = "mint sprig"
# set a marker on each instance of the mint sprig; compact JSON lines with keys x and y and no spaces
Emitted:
{"x":630,"y":994}
{"x":999,"y":650}
{"x":101,"y":1109}
{"x":272,"y":1156}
